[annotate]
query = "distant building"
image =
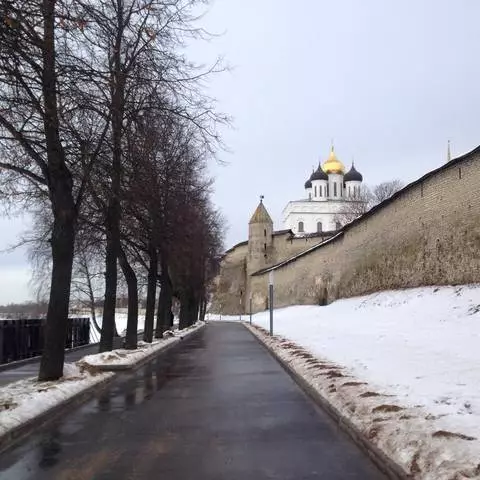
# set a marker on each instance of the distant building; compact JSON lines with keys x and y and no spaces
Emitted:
{"x":329,"y":194}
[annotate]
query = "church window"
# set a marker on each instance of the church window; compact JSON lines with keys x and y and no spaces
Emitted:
{"x":265,"y":246}
{"x":334,"y":189}
{"x":321,"y":190}
{"x":300,"y":227}
{"x":319,"y":226}
{"x":328,"y":190}
{"x":315,"y":189}
{"x":265,"y":232}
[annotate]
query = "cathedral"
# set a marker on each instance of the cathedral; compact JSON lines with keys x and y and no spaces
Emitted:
{"x":329,"y":193}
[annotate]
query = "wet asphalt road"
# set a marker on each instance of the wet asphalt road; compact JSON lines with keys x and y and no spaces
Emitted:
{"x":218,"y":408}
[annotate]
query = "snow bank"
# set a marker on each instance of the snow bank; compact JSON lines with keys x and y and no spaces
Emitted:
{"x":123,"y":359}
{"x":22,"y":401}
{"x":410,"y":366}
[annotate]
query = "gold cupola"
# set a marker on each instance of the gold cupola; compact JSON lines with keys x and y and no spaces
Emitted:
{"x":333,"y":164}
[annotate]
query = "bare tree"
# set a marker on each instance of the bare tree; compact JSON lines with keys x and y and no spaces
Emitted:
{"x":356,"y":207}
{"x":368,"y":198}
{"x":385,"y":190}
{"x":38,"y":113}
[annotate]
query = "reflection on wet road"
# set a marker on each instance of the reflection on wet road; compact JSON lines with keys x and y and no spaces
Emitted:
{"x":219,"y":407}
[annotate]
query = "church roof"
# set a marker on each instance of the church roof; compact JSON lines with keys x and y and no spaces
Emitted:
{"x":260,"y":215}
{"x":333,"y":164}
{"x":353,"y":175}
{"x":319,"y":174}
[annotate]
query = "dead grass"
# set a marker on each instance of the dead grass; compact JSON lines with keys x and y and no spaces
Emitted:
{"x":387,"y":409}
{"x":369,"y":394}
{"x":447,"y":434}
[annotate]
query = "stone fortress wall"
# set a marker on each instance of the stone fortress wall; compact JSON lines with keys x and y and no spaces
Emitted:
{"x":426,"y":234}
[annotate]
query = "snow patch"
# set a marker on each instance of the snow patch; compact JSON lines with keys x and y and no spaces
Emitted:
{"x":24,"y":400}
{"x":403,"y":366}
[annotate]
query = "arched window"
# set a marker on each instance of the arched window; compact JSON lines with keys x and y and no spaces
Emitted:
{"x":315,"y":191}
{"x":320,"y":188}
{"x":335,"y":189}
{"x":319,"y":226}
{"x":300,"y":227}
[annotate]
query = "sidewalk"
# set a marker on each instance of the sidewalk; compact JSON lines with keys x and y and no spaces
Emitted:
{"x":219,"y":407}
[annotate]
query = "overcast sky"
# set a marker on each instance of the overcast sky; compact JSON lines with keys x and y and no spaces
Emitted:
{"x":389,"y":80}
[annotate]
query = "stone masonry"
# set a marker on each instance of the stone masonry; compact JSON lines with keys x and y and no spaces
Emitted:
{"x":426,"y":234}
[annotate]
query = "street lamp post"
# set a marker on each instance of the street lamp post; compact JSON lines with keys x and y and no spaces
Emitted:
{"x":250,"y":308}
{"x":241,"y":293}
{"x":270,"y":300}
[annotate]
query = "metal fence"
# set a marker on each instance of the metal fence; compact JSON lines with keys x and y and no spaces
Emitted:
{"x":23,"y":338}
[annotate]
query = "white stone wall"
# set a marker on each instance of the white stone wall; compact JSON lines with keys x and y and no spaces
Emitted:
{"x":335,"y":185}
{"x":319,"y":190}
{"x":311,"y":212}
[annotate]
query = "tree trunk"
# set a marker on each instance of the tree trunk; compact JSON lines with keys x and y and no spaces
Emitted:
{"x":55,"y":331}
{"x":132,"y":317}
{"x":112,"y":224}
{"x":151,"y":294}
{"x":164,"y":301}
{"x":60,"y":186}
{"x":112,"y":252}
{"x":187,"y":309}
{"x":195,"y":310}
{"x":91,"y":296}
{"x":203,"y":309}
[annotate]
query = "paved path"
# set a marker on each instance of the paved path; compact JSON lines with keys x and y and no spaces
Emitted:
{"x":31,"y":369}
{"x":220,"y":408}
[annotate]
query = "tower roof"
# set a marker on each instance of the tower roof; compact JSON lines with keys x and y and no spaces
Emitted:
{"x":333,"y":164}
{"x":260,"y":215}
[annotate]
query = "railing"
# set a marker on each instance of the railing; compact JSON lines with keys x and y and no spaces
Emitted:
{"x":20,"y":339}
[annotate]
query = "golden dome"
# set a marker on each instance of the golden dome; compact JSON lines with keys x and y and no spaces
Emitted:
{"x":333,"y":164}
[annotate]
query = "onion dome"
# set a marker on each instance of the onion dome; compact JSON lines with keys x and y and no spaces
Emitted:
{"x":333,"y":164}
{"x":353,"y":175}
{"x":319,"y":174}
{"x":308,"y":184}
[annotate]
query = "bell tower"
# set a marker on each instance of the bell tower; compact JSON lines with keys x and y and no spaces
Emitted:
{"x":260,"y":239}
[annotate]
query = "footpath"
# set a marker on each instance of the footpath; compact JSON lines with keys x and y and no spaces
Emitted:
{"x":218,"y":406}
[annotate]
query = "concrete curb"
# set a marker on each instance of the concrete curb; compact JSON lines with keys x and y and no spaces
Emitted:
{"x":381,"y":460}
{"x":147,"y":358}
{"x":16,"y":434}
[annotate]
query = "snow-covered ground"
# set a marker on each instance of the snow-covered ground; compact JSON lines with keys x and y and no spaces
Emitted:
{"x":122,"y":359}
{"x":418,"y":349}
{"x":26,"y":399}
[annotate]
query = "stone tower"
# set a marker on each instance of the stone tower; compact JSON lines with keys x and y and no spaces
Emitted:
{"x":260,"y":240}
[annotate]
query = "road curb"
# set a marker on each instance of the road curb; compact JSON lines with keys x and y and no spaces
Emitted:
{"x":151,"y":355}
{"x":381,"y":460}
{"x":16,"y":434}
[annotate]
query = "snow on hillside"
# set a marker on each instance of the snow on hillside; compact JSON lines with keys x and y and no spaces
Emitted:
{"x":422,"y":346}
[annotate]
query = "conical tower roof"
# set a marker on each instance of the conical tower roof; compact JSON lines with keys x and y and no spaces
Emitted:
{"x":260,"y":215}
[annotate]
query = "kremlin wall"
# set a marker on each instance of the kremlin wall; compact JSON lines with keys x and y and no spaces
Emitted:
{"x":428,"y":233}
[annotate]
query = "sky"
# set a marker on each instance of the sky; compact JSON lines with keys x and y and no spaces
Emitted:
{"x":389,"y":81}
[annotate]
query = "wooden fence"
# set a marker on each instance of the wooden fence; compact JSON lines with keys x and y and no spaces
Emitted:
{"x":20,"y":339}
